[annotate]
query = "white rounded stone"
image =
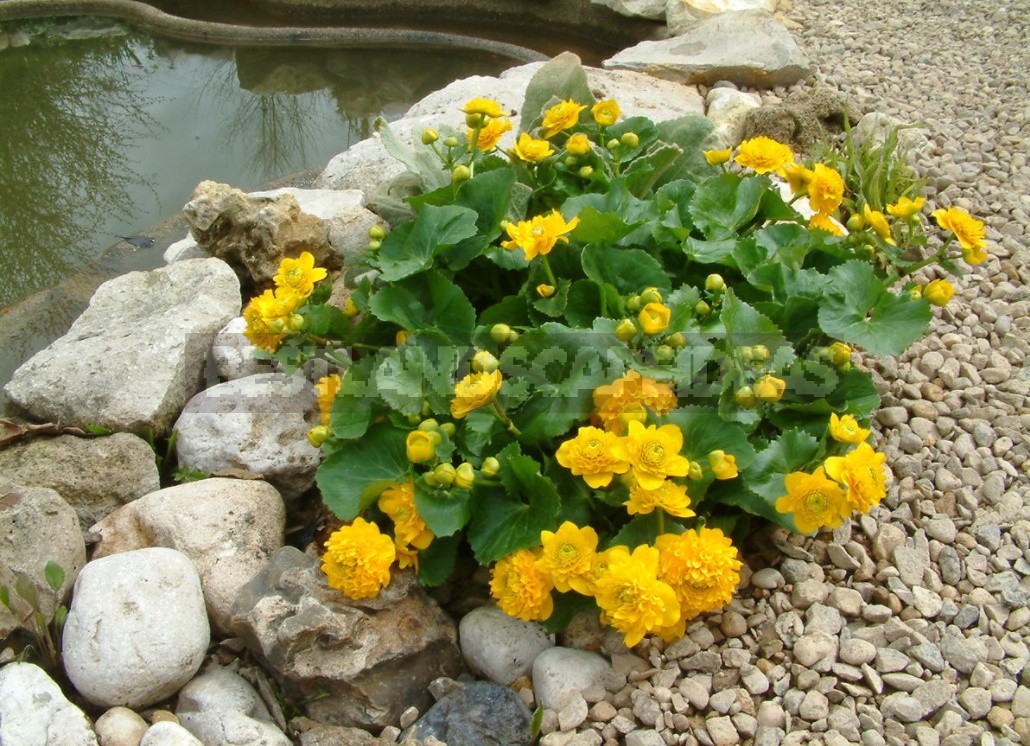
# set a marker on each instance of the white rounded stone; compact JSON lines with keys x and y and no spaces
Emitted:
{"x":561,"y":673}
{"x":500,"y":647}
{"x":120,"y":726}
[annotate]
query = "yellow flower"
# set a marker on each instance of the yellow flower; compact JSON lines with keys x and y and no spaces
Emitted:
{"x":825,"y":189}
{"x":567,"y":557}
{"x":969,"y":231}
{"x":578,"y":144}
{"x":718,"y":157}
{"x":669,"y":496}
{"x":824,"y":222}
{"x":653,"y":453}
{"x":606,"y":112}
{"x":763,"y":154}
{"x":905,"y":207}
{"x":267,"y":316}
{"x":846,"y":429}
{"x":537,"y":236}
{"x":544,"y":290}
{"x":486,"y":107}
{"x":878,"y":222}
{"x":629,"y":395}
{"x":862,"y":472}
{"x":532,"y":150}
{"x":406,"y":556}
{"x":702,"y":568}
{"x":814,"y":500}
{"x":299,"y":275}
{"x":769,"y":388}
{"x":590,"y":456}
{"x":420,"y":446}
{"x":327,"y":388}
{"x":654,"y":318}
{"x":357,"y":560}
{"x":490,"y":133}
{"x":474,"y":391}
{"x":560,"y":117}
{"x":520,"y":588}
{"x":398,"y":502}
{"x":797,"y":177}
{"x":631,"y":597}
{"x":939,"y":292}
{"x":724,"y":465}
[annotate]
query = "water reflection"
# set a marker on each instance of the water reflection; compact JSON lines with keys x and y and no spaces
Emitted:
{"x":68,"y":115}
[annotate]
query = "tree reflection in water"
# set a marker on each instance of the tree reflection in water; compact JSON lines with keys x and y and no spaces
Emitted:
{"x":69,"y":111}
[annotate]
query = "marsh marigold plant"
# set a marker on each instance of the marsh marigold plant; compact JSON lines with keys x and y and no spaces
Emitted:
{"x":594,"y":352}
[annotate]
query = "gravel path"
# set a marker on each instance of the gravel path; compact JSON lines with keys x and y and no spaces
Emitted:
{"x":911,"y":625}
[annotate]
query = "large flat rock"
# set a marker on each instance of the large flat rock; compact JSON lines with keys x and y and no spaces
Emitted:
{"x":750,"y":48}
{"x":136,"y":355}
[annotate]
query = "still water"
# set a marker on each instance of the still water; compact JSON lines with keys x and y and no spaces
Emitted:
{"x":102,"y":137}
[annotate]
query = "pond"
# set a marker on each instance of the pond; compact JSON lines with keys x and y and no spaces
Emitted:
{"x":105,"y":131}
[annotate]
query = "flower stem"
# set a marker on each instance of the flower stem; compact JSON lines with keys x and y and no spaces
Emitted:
{"x":505,"y":420}
{"x":661,"y":520}
{"x":547,"y":270}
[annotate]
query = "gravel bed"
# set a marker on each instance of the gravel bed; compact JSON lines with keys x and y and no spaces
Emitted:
{"x":910,"y":625}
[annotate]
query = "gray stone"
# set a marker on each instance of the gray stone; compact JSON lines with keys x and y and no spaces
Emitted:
{"x":575,"y":711}
{"x":903,"y":707}
{"x":768,"y":577}
{"x":682,"y":14}
{"x":817,"y":647}
{"x":34,"y":710}
{"x":120,"y":726}
{"x":933,"y":695}
{"x":94,"y":475}
{"x":260,"y":424}
{"x":560,"y":673}
{"x":151,"y":597}
{"x":814,"y":706}
{"x":500,"y":647}
{"x":481,"y":713}
{"x":875,"y":126}
{"x":856,"y":652}
{"x":233,"y":354}
{"x":644,"y":737}
{"x":357,"y":663}
{"x":227,"y":527}
{"x":727,"y":109}
{"x":749,"y":48}
{"x":168,"y":733}
{"x":653,"y":9}
{"x":38,"y":527}
{"x":962,"y":653}
{"x":136,"y":355}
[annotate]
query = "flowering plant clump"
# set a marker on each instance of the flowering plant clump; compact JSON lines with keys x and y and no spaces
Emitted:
{"x":590,"y":358}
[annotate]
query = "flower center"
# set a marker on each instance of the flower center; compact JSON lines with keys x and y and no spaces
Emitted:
{"x":816,"y":502}
{"x":537,"y":232}
{"x":653,"y":453}
{"x":593,"y":448}
{"x":567,"y":552}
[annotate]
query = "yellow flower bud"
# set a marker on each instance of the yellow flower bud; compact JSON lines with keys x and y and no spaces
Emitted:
{"x":319,"y":435}
{"x":448,"y":429}
{"x":429,"y":425}
{"x":759,"y":353}
{"x":430,"y":478}
{"x":745,"y":397}
{"x":651,"y":295}
{"x":654,"y":318}
{"x":429,"y":136}
{"x":445,"y":474}
{"x":586,"y":172}
{"x":768,"y":388}
{"x":676,"y":341}
{"x":349,"y":309}
{"x":401,"y":337}
{"x":295,"y":323}
{"x":718,"y":157}
{"x":855,"y":223}
{"x":665,"y":354}
{"x":500,"y":333}
{"x":544,"y":290}
{"x":916,"y":293}
{"x":724,"y":465}
{"x":474,"y":119}
{"x":695,"y":472}
{"x":451,"y":142}
{"x":630,"y":139}
{"x":491,"y":467}
{"x":702,"y":308}
{"x":939,"y":292}
{"x":612,"y":144}
{"x":375,"y":245}
{"x":626,"y":330}
{"x":377,"y":232}
{"x":460,"y":173}
{"x":578,"y":144}
{"x":840,"y":354}
{"x":464,"y":476}
{"x":420,"y":446}
{"x":633,"y":303}
{"x":484,"y":362}
{"x":746,"y":354}
{"x":714,"y":283}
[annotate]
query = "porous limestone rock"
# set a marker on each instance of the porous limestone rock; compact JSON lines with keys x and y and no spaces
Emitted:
{"x":682,"y":14}
{"x":258,"y":423}
{"x":654,"y":9}
{"x":803,"y":117}
{"x":136,"y":355}
{"x":34,"y":710}
{"x":875,"y":126}
{"x":233,"y":354}
{"x":227,"y":527}
{"x":750,"y":48}
{"x":221,"y":708}
{"x":137,"y":629}
{"x":500,"y":647}
{"x":253,"y":234}
{"x":96,"y":476}
{"x":38,"y":527}
{"x":727,"y":109}
{"x":374,"y":658}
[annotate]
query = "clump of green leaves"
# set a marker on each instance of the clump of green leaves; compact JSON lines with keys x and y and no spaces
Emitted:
{"x":27,"y":605}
